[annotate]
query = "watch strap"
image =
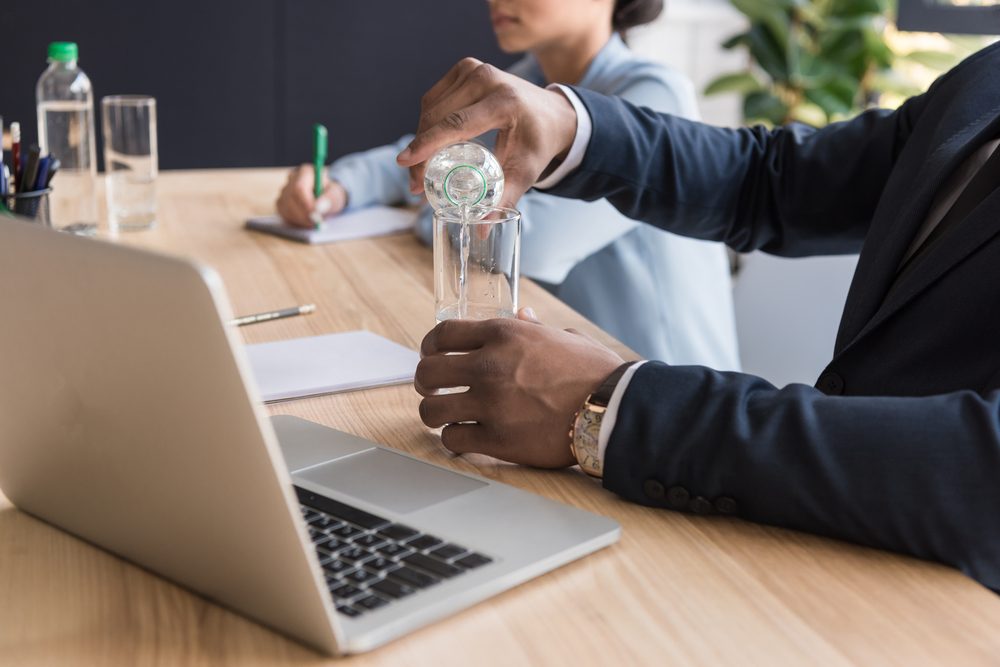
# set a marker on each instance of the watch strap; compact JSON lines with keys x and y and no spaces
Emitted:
{"x":603,"y":394}
{"x":584,"y":434}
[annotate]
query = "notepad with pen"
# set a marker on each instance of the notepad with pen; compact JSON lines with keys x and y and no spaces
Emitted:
{"x":362,"y":223}
{"x":315,"y":365}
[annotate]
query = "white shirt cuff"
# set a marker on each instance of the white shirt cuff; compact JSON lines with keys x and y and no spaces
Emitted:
{"x":584,"y":127}
{"x":611,"y":414}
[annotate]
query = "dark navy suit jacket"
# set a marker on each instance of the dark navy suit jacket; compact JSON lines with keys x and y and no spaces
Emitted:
{"x":898,"y":444}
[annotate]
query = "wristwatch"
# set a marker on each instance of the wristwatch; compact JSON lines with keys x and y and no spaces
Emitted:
{"x":585,"y":432}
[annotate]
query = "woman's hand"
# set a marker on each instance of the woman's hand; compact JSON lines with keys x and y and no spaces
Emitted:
{"x":297,"y":203}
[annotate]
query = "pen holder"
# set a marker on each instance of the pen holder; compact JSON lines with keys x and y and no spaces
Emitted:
{"x":32,"y":205}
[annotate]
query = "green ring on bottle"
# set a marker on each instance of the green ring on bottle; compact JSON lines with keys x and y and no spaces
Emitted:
{"x":482,"y":179}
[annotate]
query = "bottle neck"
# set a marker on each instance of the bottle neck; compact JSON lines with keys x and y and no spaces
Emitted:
{"x":62,"y":64}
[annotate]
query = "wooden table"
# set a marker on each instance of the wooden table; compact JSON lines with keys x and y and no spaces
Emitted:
{"x":676,"y":590}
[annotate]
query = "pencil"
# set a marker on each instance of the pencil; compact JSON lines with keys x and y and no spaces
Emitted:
{"x":273,"y":315}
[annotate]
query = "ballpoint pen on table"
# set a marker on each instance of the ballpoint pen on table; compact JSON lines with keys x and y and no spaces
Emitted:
{"x":272,"y":315}
{"x":319,"y":162}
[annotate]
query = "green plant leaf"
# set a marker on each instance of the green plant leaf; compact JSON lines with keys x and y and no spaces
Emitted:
{"x":877,"y":51}
{"x":817,"y":70}
{"x":835,"y":97}
{"x":735,"y":40}
{"x":842,"y":46}
{"x":759,"y":10}
{"x":765,"y":106}
{"x":739,"y":82}
{"x":770,"y":55}
{"x":859,"y":7}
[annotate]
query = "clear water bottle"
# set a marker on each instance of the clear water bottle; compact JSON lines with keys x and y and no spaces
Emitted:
{"x":465,"y":175}
{"x":66,"y":131}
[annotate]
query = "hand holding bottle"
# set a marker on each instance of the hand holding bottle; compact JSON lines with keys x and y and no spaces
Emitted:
{"x":536,"y":126}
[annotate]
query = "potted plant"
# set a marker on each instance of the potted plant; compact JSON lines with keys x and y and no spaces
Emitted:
{"x":816,"y":61}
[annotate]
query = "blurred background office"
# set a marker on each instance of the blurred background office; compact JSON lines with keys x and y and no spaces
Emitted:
{"x":239,"y":82}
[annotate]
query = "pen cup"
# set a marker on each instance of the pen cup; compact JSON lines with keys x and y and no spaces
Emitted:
{"x":476,"y":263}
{"x":31,"y":205}
{"x":130,"y":160}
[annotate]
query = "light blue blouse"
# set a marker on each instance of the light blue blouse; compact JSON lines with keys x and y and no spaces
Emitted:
{"x":665,"y":296}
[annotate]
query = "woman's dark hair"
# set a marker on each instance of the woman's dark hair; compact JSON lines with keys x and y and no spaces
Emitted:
{"x":631,"y":13}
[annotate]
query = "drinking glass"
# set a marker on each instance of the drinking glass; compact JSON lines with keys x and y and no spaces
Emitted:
{"x":130,"y":160}
{"x":477,"y":256}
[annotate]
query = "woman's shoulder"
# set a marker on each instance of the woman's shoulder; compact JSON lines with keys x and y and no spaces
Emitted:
{"x":645,"y":82}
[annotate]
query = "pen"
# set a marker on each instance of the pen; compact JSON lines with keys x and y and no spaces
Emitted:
{"x":319,"y":160}
{"x":273,"y":315}
{"x":43,"y":173}
{"x":53,"y":168}
{"x":15,"y":152}
{"x":30,"y":172}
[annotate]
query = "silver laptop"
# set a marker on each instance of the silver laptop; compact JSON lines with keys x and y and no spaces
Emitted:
{"x":128,"y":417}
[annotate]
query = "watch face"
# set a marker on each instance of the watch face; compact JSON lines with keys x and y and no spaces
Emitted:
{"x":587,"y":434}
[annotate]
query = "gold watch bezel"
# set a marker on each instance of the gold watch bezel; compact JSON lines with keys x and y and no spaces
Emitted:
{"x":584,"y":437}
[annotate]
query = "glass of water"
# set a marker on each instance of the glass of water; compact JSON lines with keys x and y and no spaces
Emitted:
{"x":130,"y":160}
{"x":477,"y":254}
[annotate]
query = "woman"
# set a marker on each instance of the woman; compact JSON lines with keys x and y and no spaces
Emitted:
{"x":664,"y":296}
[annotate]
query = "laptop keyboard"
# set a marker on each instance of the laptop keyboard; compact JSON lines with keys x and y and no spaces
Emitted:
{"x":369,"y":561}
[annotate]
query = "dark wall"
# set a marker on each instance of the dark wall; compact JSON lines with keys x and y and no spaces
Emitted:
{"x":238,"y":83}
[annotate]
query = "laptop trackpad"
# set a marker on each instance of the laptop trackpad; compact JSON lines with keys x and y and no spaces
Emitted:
{"x":397,"y":483}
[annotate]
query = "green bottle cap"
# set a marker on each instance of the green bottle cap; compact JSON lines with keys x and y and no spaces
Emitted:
{"x":63,"y":52}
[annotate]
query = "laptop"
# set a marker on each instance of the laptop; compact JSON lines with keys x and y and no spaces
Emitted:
{"x":129,"y":418}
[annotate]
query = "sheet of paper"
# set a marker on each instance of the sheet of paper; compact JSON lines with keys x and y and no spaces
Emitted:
{"x":317,"y":365}
{"x":359,"y":224}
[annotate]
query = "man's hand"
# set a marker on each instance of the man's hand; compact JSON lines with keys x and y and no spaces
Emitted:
{"x":525,"y":379}
{"x":536,"y":126}
{"x":297,"y":202}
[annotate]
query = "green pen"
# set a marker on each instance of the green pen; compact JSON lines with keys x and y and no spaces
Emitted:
{"x":319,"y":161}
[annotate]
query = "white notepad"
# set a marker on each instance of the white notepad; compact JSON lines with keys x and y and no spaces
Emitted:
{"x":363,"y":223}
{"x":326,"y":364}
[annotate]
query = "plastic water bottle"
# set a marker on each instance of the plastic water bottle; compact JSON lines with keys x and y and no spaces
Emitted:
{"x":66,"y":131}
{"x":465,"y":175}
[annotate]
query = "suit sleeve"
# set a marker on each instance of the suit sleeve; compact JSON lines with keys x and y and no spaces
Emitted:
{"x":912,"y":475}
{"x":791,"y":191}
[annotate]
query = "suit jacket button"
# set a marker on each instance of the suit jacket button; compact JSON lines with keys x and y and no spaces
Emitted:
{"x":701,"y":505}
{"x":677,"y":497}
{"x":831,"y":384}
{"x":725,"y":505}
{"x":653,"y":489}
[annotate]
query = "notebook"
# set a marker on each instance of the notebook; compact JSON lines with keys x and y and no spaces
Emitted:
{"x":327,"y":364}
{"x":359,"y":224}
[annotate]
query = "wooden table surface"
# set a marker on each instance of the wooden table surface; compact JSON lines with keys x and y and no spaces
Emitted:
{"x":676,"y":590}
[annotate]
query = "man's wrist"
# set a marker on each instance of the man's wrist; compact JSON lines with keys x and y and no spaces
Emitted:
{"x":611,"y":413}
{"x":587,"y":423}
{"x":581,"y":138}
